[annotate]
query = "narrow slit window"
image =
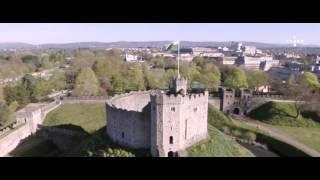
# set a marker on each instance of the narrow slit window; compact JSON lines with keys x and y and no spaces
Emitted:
{"x":171,"y":139}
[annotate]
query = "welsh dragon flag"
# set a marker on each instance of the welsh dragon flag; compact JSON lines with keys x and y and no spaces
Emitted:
{"x":173,"y":46}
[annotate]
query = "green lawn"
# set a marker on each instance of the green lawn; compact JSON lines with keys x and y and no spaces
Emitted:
{"x":90,"y":117}
{"x":284,"y":114}
{"x":308,"y":136}
{"x":218,"y":145}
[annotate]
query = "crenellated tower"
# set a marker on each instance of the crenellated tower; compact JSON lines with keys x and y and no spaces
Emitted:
{"x":178,"y":119}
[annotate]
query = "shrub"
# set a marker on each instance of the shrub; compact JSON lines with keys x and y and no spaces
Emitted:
{"x":225,"y":129}
{"x":236,"y":132}
{"x":249,"y":136}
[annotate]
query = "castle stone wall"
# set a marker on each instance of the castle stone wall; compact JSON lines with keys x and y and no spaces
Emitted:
{"x":11,"y":140}
{"x":128,"y":119}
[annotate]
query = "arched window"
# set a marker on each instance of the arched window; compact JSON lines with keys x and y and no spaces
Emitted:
{"x":170,"y":154}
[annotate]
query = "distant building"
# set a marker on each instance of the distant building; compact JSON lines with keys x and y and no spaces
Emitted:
{"x":291,"y":55}
{"x":229,"y":60}
{"x":248,"y":61}
{"x":212,"y":54}
{"x":130,"y":58}
{"x":197,"y":51}
{"x":283,"y":73}
{"x":249,"y":50}
{"x":236,"y":46}
{"x":295,"y":66}
{"x":254,"y":62}
{"x":186,"y":57}
{"x":267,"y":64}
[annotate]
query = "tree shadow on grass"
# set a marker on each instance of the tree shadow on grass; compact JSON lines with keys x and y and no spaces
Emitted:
{"x":268,"y":111}
{"x":311,"y":115}
{"x":99,"y":140}
{"x":49,"y":141}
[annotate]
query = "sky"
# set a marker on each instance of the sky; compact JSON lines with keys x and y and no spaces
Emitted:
{"x":39,"y":33}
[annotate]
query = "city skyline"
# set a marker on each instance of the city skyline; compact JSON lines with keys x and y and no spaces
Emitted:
{"x":42,"y":33}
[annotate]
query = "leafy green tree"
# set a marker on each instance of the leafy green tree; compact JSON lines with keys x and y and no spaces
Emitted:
{"x":86,"y":83}
{"x":236,"y":79}
{"x":189,"y":71}
{"x":170,"y":64}
{"x":4,"y":113}
{"x":159,"y":62}
{"x":209,"y":76}
{"x":156,"y":79}
{"x":199,"y":61}
{"x":135,"y":77}
{"x":118,"y":83}
{"x":45,"y":63}
{"x":1,"y":94}
{"x":311,"y":80}
{"x":83,"y":59}
{"x":39,"y":91}
{"x":257,"y":78}
{"x":32,"y":60}
{"x":7,"y":113}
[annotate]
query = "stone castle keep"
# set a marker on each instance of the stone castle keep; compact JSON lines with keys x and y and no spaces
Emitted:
{"x":164,"y":122}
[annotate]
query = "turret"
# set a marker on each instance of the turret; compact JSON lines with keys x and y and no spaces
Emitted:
{"x":179,"y":85}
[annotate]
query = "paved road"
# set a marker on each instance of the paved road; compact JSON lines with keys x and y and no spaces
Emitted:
{"x":281,"y":135}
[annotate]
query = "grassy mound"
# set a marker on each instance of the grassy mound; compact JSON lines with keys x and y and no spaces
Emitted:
{"x":218,"y":145}
{"x":284,"y":114}
{"x":308,"y":136}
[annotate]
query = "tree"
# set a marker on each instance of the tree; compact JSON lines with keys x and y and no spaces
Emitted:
{"x":1,"y":94}
{"x":86,"y":83}
{"x":4,"y":113}
{"x":257,"y":78}
{"x":199,"y":61}
{"x":58,"y":81}
{"x":135,"y":77}
{"x":32,"y":60}
{"x":118,"y":83}
{"x":170,"y":64}
{"x":209,"y":76}
{"x":189,"y":71}
{"x":45,"y":63}
{"x":156,"y":79}
{"x":310,"y":80}
{"x":158,"y":62}
{"x":236,"y":79}
{"x":7,"y":113}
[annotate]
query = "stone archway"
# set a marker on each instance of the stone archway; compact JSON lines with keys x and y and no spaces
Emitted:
{"x":236,"y":111}
{"x":170,"y":154}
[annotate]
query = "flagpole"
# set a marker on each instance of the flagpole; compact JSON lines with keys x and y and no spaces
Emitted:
{"x":178,"y":59}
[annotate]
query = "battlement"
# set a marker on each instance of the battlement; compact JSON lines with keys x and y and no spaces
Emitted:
{"x":271,"y":96}
{"x":161,"y":98}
